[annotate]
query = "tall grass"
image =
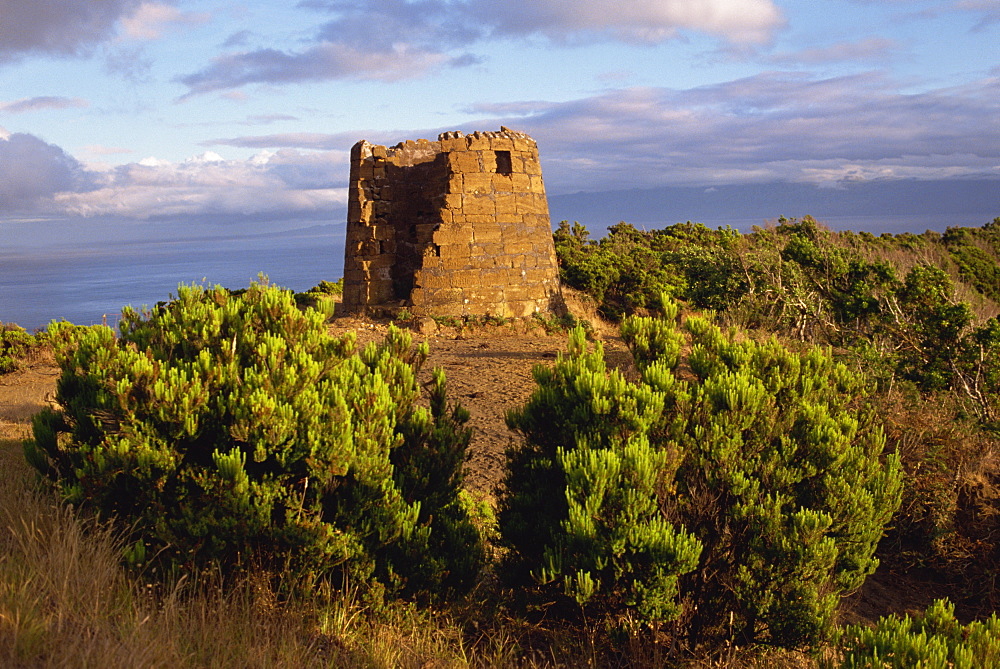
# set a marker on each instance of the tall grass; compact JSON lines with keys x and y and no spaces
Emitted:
{"x":65,"y":601}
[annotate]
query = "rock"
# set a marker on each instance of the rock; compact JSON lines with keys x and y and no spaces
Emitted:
{"x":425,"y":326}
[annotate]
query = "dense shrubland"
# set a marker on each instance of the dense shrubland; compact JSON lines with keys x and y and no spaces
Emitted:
{"x":915,"y":314}
{"x":792,"y":388}
{"x":230,"y":431}
{"x":739,"y":488}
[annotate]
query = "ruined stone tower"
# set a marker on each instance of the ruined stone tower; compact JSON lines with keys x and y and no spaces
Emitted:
{"x":455,"y":227}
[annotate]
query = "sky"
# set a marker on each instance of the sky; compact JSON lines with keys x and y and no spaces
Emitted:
{"x":188,"y":117}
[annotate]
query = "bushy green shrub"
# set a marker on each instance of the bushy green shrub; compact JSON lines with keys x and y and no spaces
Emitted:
{"x":16,"y":344}
{"x":933,"y":640}
{"x":757,"y":491}
{"x":231,"y":430}
{"x":321,"y":297}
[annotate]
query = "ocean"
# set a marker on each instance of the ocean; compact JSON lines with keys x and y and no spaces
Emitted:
{"x":89,"y":284}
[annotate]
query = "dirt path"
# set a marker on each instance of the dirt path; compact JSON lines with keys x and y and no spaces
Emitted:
{"x":488,"y":371}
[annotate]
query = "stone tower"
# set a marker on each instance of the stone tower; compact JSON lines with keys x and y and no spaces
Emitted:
{"x":455,"y":227}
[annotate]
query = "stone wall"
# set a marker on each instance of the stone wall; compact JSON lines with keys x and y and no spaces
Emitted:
{"x":455,"y":227}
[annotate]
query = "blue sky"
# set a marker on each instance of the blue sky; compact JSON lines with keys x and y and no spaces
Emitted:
{"x":197,"y":114}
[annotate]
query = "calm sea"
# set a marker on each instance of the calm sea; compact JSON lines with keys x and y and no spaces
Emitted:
{"x":90,"y":284}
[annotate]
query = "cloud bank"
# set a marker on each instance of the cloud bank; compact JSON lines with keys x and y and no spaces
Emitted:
{"x":32,"y":171}
{"x":390,"y":40}
{"x":772,"y":127}
{"x":40,"y":178}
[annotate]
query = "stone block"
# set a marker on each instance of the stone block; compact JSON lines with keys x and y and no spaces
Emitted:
{"x":478,"y":204}
{"x":431,"y":261}
{"x":424,"y":233}
{"x":502,"y":144}
{"x":489,"y":161}
{"x":524,"y":144}
{"x":484,"y":296}
{"x":378,"y":262}
{"x":453,"y":234}
{"x":539,"y":275}
{"x":479,"y":248}
{"x":480,"y":261}
{"x":520,"y":182}
{"x":503,"y":183}
{"x":454,"y":262}
{"x":518,"y":248}
{"x":464,"y":161}
{"x":454,"y":144}
{"x":506,"y":203}
{"x":444,"y":296}
{"x":478,"y":183}
{"x":453,"y":251}
{"x":433,"y":281}
{"x":487,"y":233}
{"x":529,"y":203}
{"x":465,"y":278}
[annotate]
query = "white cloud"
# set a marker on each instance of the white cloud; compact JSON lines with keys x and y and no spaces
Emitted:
{"x":284,"y":182}
{"x":325,"y":61}
{"x":389,"y":40}
{"x":151,"y":19}
{"x":738,"y":21}
{"x":39,"y":103}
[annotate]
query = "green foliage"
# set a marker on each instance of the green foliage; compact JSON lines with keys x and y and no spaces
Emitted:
{"x":976,"y":252}
{"x":582,"y":511}
{"x":231,"y":430}
{"x":16,"y":344}
{"x":623,"y":272}
{"x":933,"y":640}
{"x":321,"y":297}
{"x":760,"y":488}
{"x":931,"y":332}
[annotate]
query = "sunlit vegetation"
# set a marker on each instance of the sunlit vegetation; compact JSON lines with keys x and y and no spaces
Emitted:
{"x":222,"y":483}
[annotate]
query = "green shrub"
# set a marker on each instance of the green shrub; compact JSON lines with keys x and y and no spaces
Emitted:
{"x":757,"y":491}
{"x":321,"y":297}
{"x":582,"y":512}
{"x":231,"y":430}
{"x":16,"y":344}
{"x":934,"y":640}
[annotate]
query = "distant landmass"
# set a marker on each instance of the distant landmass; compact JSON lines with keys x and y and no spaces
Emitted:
{"x":874,"y":206}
